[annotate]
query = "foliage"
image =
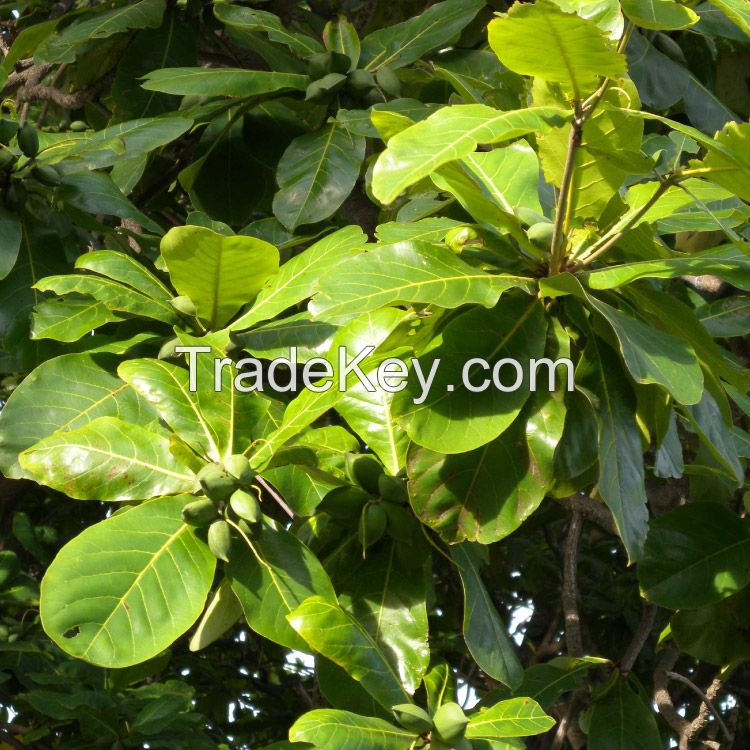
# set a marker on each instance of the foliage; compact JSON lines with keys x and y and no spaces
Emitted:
{"x":557,"y":179}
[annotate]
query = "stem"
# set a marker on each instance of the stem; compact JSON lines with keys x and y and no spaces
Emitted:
{"x":640,"y":637}
{"x":606,"y":242}
{"x":685,"y":681}
{"x":573,"y":636}
{"x":265,"y":484}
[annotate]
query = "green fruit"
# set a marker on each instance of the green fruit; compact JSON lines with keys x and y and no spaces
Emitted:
{"x":413,"y":718}
{"x":450,"y":722}
{"x":361,"y":81}
{"x":541,"y":233}
{"x":239,"y":467}
{"x":78,"y":126}
{"x":323,"y":63}
{"x":47,"y":175}
{"x":392,"y":489}
{"x":220,"y":539}
{"x":322,"y":89}
{"x":28,"y":140}
{"x":47,"y":535}
{"x":167,"y":350}
{"x":458,"y":237}
{"x":364,"y":471}
{"x":7,"y":158}
{"x":372,"y":524}
{"x":8,"y":128}
{"x":9,"y":567}
{"x":200,"y":512}
{"x":184,"y":305}
{"x":246,"y":506}
{"x":388,"y":81}
{"x":216,"y":482}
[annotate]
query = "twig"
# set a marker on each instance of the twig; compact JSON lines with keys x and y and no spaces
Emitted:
{"x":266,"y":485}
{"x":573,"y":637}
{"x":695,"y":726}
{"x":640,"y":637}
{"x":661,"y":693}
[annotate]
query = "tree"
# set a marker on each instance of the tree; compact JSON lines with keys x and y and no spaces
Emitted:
{"x":229,"y":555}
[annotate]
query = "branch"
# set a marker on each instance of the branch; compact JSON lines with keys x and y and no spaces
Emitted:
{"x":698,"y":723}
{"x":640,"y":637}
{"x":661,"y":694}
{"x":593,"y":511}
{"x":573,"y":637}
{"x":266,"y":485}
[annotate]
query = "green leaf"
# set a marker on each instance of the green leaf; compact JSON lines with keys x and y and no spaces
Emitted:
{"x":222,"y":613}
{"x":517,"y":717}
{"x":510,"y":175}
{"x":232,"y":269}
{"x":541,"y":40}
{"x":340,"y":35}
{"x":389,"y":601}
{"x":484,"y":632}
{"x":695,"y":555}
{"x":10,"y":231}
{"x":606,"y":14}
{"x":234,"y":82}
{"x":653,"y":356}
{"x":737,"y":10}
{"x":255,"y":20}
{"x":731,"y":165}
{"x":659,"y":14}
{"x":63,"y":394}
{"x":124,"y":589}
{"x":726,"y":317}
{"x":462,"y":496}
{"x":95,"y":193}
{"x":304,"y":487}
{"x":449,"y":134}
{"x":418,"y":272}
{"x":513,"y":329}
{"x":271,"y":576}
{"x":69,"y":319}
{"x":296,"y":278}
{"x":166,"y":387}
{"x":725,"y":261}
{"x":109,"y":460}
{"x":116,"y":143}
{"x":622,"y":719}
{"x":403,"y":43}
{"x":316,"y":174}
{"x":621,"y":472}
{"x":328,"y":728}
{"x":65,"y":45}
{"x":337,"y":635}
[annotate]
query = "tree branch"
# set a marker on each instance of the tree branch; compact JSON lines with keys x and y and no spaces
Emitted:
{"x":573,"y":637}
{"x":700,"y":721}
{"x":640,"y":637}
{"x":593,"y":511}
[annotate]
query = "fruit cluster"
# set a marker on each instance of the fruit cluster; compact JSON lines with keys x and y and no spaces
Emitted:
{"x":445,"y":729}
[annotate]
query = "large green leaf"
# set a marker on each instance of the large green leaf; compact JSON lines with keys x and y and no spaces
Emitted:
{"x":328,"y":728}
{"x":63,"y":46}
{"x":337,"y":635}
{"x":235,"y":82}
{"x":297,"y":277}
{"x":166,"y":386}
{"x":389,"y":601}
{"x":256,"y":20}
{"x":452,"y":418}
{"x":271,"y":576}
{"x":622,"y":719}
{"x":316,"y":174}
{"x":218,"y":273}
{"x":63,"y":394}
{"x":541,"y":40}
{"x":659,"y":14}
{"x":417,"y":272}
{"x":621,"y":472}
{"x":726,"y":261}
{"x":10,"y":230}
{"x":125,"y":588}
{"x":403,"y":43}
{"x":510,"y":175}
{"x":731,"y":172}
{"x":653,"y":356}
{"x":737,"y":10}
{"x":107,"y":459}
{"x":484,"y":632}
{"x":69,"y":319}
{"x":451,"y":133}
{"x":464,"y":496}
{"x":517,"y":717}
{"x":694,"y":556}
